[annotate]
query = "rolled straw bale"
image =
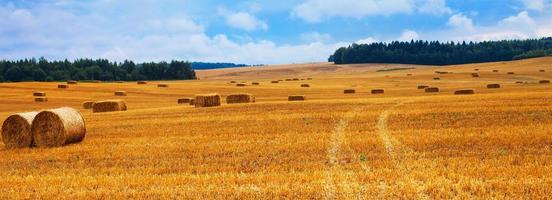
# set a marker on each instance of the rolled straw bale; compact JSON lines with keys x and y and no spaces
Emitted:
{"x":289,"y":79}
{"x":16,"y":130}
{"x":240,"y":98}
{"x":476,"y":69}
{"x":408,"y":74}
{"x":510,"y":73}
{"x":207,"y":100}
{"x":142,"y":82}
{"x":349,"y":91}
{"x":378,"y":91}
{"x":422,"y":87}
{"x":519,"y":82}
{"x":109,"y":106}
{"x":274,"y":82}
{"x":295,"y":79}
{"x":162,"y":85}
{"x":88,"y":104}
{"x":475,"y":75}
{"x":431,"y":89}
{"x":232,"y":81}
{"x":436,"y":78}
{"x":302,"y":79}
{"x":493,"y":86}
{"x":495,"y":70}
{"x":57,"y":127}
{"x":120,"y":93}
{"x":184,"y":100}
{"x":192,"y":102}
{"x":544,"y":81}
{"x":297,"y":98}
{"x":39,"y":94}
{"x":255,"y":83}
{"x":305,"y":85}
{"x":63,"y":86}
{"x":463,"y":92}
{"x":72,"y":82}
{"x":542,"y":70}
{"x":309,"y":78}
{"x":241,"y":85}
{"x":41,"y":99}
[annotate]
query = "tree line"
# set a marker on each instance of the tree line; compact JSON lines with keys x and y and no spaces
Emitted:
{"x":89,"y":69}
{"x":439,"y":53}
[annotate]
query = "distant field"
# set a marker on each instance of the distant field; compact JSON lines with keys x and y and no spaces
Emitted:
{"x":495,"y":144}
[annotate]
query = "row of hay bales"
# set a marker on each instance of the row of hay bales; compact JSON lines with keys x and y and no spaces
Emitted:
{"x":48,"y":128}
{"x":40,"y":97}
{"x":212,"y":100}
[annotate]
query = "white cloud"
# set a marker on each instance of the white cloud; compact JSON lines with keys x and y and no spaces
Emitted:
{"x":316,"y":37}
{"x":435,"y":7}
{"x":243,"y":20}
{"x":538,"y":5}
{"x":408,"y":35}
{"x":460,"y":21}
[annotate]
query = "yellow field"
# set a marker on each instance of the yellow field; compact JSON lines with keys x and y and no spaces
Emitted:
{"x":402,"y":144}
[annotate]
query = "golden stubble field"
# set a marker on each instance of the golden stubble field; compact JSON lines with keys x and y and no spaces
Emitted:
{"x":496,"y":144}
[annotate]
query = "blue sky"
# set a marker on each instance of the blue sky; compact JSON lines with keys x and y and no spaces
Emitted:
{"x":251,"y":32}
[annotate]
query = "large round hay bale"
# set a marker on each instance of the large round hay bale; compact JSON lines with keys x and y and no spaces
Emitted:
{"x":493,"y":86}
{"x":519,"y":82}
{"x":510,"y":73}
{"x":476,"y":69}
{"x":63,"y":86}
{"x":544,"y":81}
{"x":240,"y":98}
{"x":305,"y":85}
{"x":295,"y":79}
{"x":142,"y":82}
{"x":207,"y":100}
{"x":542,"y":70}
{"x":289,"y":79}
{"x":378,"y":91}
{"x":185,"y":100}
{"x":408,"y":74}
{"x":436,"y":78}
{"x":232,"y":81}
{"x":274,"y":82}
{"x":495,"y":70}
{"x":464,"y":92}
{"x":162,"y":85}
{"x":57,"y":127}
{"x":297,"y":98}
{"x":39,"y":94}
{"x":71,"y":82}
{"x":109,"y":106}
{"x":431,"y":89}
{"x":88,"y":104}
{"x":41,"y":99}
{"x":16,"y":130}
{"x":420,"y":87}
{"x":475,"y":75}
{"x":255,"y":83}
{"x":241,"y":85}
{"x":349,"y":91}
{"x":120,"y":93}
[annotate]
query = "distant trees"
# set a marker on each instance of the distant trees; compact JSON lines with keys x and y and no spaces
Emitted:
{"x":437,"y":53}
{"x":88,"y":69}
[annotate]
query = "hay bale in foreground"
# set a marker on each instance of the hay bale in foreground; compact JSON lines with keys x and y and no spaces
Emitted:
{"x":464,"y":92}
{"x":57,"y":127}
{"x":16,"y":130}
{"x":88,"y":104}
{"x":420,"y":87}
{"x":305,"y":85}
{"x":142,"y":82}
{"x":510,"y":73}
{"x":109,"y":106}
{"x":544,"y":81}
{"x":274,"y":81}
{"x":436,"y":78}
{"x":297,"y":98}
{"x":39,"y":94}
{"x":63,"y":86}
{"x":493,"y":86}
{"x":207,"y":100}
{"x":41,"y":99}
{"x":241,"y":85}
{"x":71,"y":82}
{"x":186,"y":100}
{"x":162,"y":85}
{"x":120,"y":93}
{"x":431,"y":89}
{"x":378,"y":91}
{"x":349,"y":91}
{"x":240,"y":98}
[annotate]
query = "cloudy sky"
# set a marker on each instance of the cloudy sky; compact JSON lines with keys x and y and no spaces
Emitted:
{"x":251,"y":32}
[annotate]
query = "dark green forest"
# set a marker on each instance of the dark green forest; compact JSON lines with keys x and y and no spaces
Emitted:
{"x":439,"y":53}
{"x":89,"y":69}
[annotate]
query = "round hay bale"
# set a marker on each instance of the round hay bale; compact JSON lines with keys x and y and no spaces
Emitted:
{"x":255,"y":83}
{"x":120,"y":93}
{"x":542,"y":70}
{"x":349,"y":91}
{"x":431,"y":89}
{"x":39,"y":94}
{"x":274,"y":82}
{"x":420,"y":87}
{"x":464,"y":92}
{"x":302,"y":79}
{"x":232,"y":81}
{"x":493,"y":86}
{"x":192,"y":102}
{"x":476,"y":69}
{"x":475,"y":75}
{"x":495,"y":70}
{"x":510,"y":73}
{"x":519,"y":82}
{"x":184,"y":100}
{"x":309,"y":78}
{"x":378,"y":91}
{"x":289,"y":79}
{"x":240,"y":98}
{"x":436,"y":78}
{"x":72,"y":82}
{"x":162,"y":85}
{"x":408,"y":74}
{"x":305,"y":85}
{"x":241,"y":85}
{"x":295,"y":79}
{"x":109,"y":106}
{"x":544,"y":81}
{"x":63,"y":86}
{"x":207,"y":100}
{"x":88,"y":104}
{"x":142,"y":82}
{"x":58,"y":127}
{"x":16,"y":130}
{"x":297,"y":98}
{"x":41,"y":99}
